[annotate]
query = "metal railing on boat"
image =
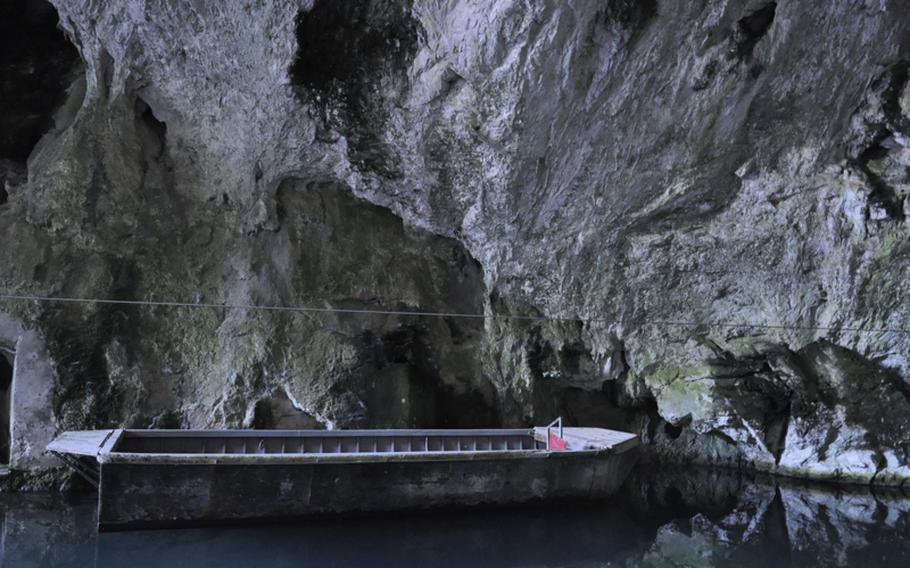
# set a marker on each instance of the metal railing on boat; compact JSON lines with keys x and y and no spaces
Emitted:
{"x":340,"y":442}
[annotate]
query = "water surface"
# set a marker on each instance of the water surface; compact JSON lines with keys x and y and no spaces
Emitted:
{"x":682,"y":518}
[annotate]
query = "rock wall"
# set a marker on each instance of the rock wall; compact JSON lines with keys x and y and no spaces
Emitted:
{"x":713,"y":196}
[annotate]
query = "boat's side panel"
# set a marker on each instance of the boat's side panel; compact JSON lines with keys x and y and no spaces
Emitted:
{"x":154,"y":494}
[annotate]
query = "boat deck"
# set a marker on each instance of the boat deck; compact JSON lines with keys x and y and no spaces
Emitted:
{"x":80,"y":442}
{"x":591,"y":438}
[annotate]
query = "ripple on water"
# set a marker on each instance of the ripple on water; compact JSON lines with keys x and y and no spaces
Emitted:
{"x":682,"y":518}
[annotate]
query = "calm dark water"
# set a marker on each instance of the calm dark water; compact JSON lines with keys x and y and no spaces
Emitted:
{"x":683,"y":518}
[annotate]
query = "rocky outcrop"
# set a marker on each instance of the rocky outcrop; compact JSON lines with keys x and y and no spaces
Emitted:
{"x":713,"y":198}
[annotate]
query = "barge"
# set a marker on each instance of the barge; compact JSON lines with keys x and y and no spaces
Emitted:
{"x":153,"y":478}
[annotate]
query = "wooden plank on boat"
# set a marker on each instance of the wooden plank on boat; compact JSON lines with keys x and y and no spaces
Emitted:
{"x":592,"y":438}
{"x":80,"y":443}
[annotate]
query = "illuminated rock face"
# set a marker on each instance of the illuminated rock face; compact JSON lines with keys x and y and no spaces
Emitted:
{"x":640,"y":164}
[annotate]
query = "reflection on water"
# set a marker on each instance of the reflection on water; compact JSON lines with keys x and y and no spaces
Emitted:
{"x":689,"y":518}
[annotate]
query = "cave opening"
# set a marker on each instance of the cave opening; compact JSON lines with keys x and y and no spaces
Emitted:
{"x":37,"y":65}
{"x":6,"y":383}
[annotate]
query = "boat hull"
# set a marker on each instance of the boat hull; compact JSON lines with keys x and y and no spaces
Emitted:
{"x":148,"y":494}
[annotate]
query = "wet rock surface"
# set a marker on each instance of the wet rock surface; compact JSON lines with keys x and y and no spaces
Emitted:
{"x":718,"y":189}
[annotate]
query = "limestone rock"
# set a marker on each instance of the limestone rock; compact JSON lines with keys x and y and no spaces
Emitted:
{"x":717,"y":191}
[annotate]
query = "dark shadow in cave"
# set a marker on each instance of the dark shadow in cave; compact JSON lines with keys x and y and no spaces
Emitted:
{"x":37,"y":64}
{"x":343,"y":45}
{"x":352,"y":61}
{"x":632,"y":15}
{"x":750,"y":29}
{"x":404,"y":366}
{"x":6,"y":383}
{"x":152,"y":132}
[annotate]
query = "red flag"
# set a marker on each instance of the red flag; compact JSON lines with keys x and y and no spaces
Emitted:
{"x":556,"y":443}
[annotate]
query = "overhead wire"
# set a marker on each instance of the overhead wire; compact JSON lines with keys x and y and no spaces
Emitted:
{"x":434,"y":314}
